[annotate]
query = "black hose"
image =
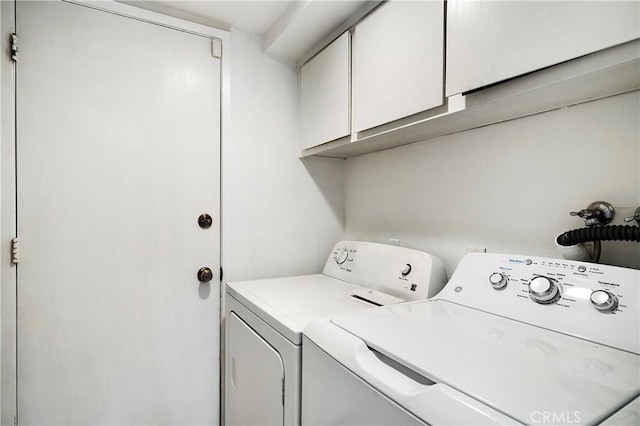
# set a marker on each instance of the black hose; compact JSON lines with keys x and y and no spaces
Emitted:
{"x":600,"y":233}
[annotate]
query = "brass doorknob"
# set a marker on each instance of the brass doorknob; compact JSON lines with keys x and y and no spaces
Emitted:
{"x":205,"y":274}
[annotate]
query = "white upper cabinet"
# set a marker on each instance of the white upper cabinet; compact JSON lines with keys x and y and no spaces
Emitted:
{"x":398,"y":55}
{"x":325,"y":95}
{"x":385,"y":85}
{"x":490,"y":41}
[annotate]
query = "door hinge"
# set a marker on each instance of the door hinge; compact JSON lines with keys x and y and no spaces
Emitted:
{"x":216,"y":48}
{"x":15,"y":251}
{"x":283,"y":391}
{"x":221,"y":275}
{"x":15,"y":420}
{"x":14,"y":47}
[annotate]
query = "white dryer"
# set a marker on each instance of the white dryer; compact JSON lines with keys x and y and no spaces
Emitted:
{"x":265,"y":319}
{"x":510,"y":340}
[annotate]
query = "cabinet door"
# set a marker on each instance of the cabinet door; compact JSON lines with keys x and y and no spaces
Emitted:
{"x":398,"y":56}
{"x":490,"y":41}
{"x":324,"y":95}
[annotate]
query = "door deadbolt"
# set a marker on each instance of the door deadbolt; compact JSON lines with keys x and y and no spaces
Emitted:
{"x":205,"y":221}
{"x":205,"y":274}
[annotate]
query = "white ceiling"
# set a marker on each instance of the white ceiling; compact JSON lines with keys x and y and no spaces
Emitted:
{"x":252,"y":16}
{"x":290,"y":28}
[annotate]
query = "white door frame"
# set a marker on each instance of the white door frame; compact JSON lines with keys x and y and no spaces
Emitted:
{"x":8,"y":275}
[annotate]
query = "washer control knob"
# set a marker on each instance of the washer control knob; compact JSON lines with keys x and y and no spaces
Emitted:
{"x":604,"y":301}
{"x":543,"y":290}
{"x":342,"y":256}
{"x":406,"y":270}
{"x":498,"y":280}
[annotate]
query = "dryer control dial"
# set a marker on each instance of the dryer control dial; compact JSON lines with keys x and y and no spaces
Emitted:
{"x":498,"y":280}
{"x":543,"y":290}
{"x":604,"y":301}
{"x":342,"y":256}
{"x":406,"y":270}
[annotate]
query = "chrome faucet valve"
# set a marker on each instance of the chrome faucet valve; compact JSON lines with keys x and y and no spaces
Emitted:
{"x":596,"y":213}
{"x":636,"y":217}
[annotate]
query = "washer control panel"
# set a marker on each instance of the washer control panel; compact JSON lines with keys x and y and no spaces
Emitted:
{"x":398,"y":271}
{"x":596,"y":302}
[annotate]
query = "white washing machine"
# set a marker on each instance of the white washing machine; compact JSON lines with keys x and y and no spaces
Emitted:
{"x":509,"y":340}
{"x":265,"y":319}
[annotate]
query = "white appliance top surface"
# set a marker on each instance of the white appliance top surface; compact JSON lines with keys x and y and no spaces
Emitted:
{"x":519,"y":369}
{"x":355,"y":272}
{"x":289,"y":304}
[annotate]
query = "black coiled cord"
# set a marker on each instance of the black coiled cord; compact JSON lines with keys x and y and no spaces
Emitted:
{"x":600,"y":233}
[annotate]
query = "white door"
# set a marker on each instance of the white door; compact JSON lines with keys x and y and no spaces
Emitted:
{"x":118,"y":133}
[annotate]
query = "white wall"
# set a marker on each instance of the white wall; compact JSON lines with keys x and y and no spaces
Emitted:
{"x":507,"y":188}
{"x":281,"y":215}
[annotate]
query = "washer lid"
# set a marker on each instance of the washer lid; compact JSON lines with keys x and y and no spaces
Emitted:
{"x":289,"y":304}
{"x":531,"y":374}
